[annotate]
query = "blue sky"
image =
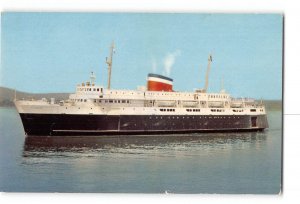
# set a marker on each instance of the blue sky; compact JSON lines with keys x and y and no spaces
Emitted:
{"x":52,"y":52}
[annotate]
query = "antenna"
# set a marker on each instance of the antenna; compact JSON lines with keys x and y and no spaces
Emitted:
{"x":109,"y":63}
{"x":207,"y":72}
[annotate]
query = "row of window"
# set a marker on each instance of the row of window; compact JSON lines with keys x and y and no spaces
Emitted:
{"x":217,"y":96}
{"x":169,"y":94}
{"x":111,"y":101}
{"x":238,"y":110}
{"x":89,"y":89}
{"x":193,"y":117}
{"x":217,"y":110}
{"x":152,"y":94}
{"x":193,"y":110}
{"x":167,"y":109}
{"x":80,"y":100}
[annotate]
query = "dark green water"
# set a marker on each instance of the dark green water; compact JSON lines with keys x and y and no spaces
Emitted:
{"x":198,"y":163}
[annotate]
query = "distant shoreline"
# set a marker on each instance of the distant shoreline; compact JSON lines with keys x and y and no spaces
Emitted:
{"x":7,"y":96}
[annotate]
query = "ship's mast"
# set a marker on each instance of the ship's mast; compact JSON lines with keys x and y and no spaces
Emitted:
{"x":207,"y":72}
{"x":109,"y":63}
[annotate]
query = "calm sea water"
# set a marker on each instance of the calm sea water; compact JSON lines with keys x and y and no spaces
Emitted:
{"x":198,"y":163}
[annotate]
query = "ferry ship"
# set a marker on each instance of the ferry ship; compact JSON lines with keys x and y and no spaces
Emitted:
{"x":152,"y":109}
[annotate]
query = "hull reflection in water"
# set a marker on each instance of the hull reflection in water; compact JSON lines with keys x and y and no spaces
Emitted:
{"x":85,"y":143}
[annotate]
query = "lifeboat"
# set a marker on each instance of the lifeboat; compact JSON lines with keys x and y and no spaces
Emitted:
{"x":190,"y":103}
{"x":166,"y":103}
{"x":215,"y":104}
{"x":236,"y":104}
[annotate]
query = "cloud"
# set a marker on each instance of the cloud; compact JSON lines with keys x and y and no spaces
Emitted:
{"x":169,"y":61}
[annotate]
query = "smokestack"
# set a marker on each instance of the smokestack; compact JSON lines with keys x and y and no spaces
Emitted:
{"x":158,"y":82}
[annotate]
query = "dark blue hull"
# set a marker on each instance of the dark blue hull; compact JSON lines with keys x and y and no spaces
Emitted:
{"x":70,"y":125}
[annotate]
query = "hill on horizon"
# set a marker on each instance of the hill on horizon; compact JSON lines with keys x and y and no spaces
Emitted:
{"x":7,"y":96}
